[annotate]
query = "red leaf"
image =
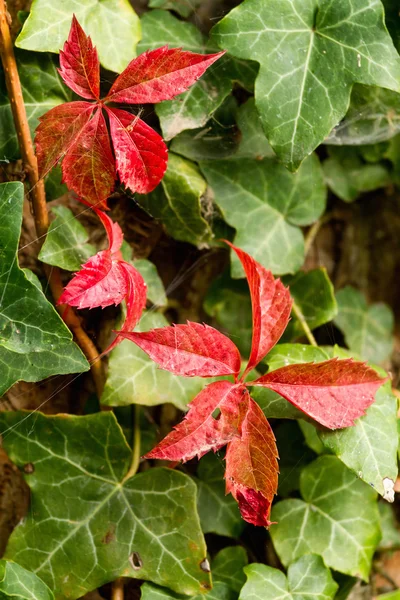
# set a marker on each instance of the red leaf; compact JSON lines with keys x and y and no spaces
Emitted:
{"x":88,"y":167}
{"x":333,"y":392}
{"x":80,"y":67}
{"x":213,"y":419}
{"x":114,"y":233}
{"x":159,"y":74}
{"x":252,"y":467}
{"x":58,"y":130}
{"x":271,"y":305}
{"x":140,"y":153}
{"x":190,"y":350}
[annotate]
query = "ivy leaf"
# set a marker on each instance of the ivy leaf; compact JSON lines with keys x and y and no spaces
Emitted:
{"x":253,"y":143}
{"x":228,"y":566}
{"x":337,"y":518}
{"x":15,"y":581}
{"x":178,"y":202}
{"x":218,"y":512}
{"x":155,"y":287}
{"x":267,"y":204}
{"x":133,"y":378}
{"x":220,"y":591}
{"x":368,"y":330}
{"x":42,"y":89}
{"x":66,"y":244}
{"x":324,"y":48}
{"x":306,"y":577}
{"x":34,"y":342}
{"x":47,"y":28}
{"x":81,"y":498}
{"x":182,"y":7}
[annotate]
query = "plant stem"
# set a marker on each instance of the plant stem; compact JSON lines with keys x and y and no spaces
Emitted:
{"x":37,"y":191}
{"x":313,"y":231}
{"x":309,"y":334}
{"x":135,"y":444}
{"x":117,"y":589}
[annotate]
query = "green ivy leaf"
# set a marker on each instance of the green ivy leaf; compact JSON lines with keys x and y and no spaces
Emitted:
{"x":306,"y":578}
{"x":303,"y":90}
{"x":220,"y":591}
{"x":293,"y":456}
{"x":253,"y":143}
{"x":218,"y":513}
{"x":113,"y":26}
{"x":88,"y":524}
{"x":53,"y":184}
{"x":133,"y":378}
{"x":182,"y":7}
{"x":311,"y":437}
{"x":155,"y":287}
{"x":42,"y":90}
{"x":368,"y":330}
{"x":390,"y":531}
{"x":66,"y":244}
{"x":267,"y":205}
{"x":178,"y":202}
{"x":34,"y":342}
{"x":369,"y":448}
{"x":337,"y":518}
{"x":15,"y":581}
{"x":228,"y":566}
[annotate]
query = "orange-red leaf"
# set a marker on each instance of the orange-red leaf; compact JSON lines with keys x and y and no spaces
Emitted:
{"x":252,"y":467}
{"x":191,"y":350}
{"x":333,"y":392}
{"x":159,"y":74}
{"x":79,"y":63}
{"x":140,"y":153}
{"x":88,"y":167}
{"x":213,"y":419}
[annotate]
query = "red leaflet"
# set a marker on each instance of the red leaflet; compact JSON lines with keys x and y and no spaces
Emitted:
{"x":252,"y":467}
{"x":191,"y":350}
{"x":271,"y":304}
{"x":80,"y":67}
{"x":333,"y":392}
{"x":213,"y":419}
{"x":159,"y":74}
{"x":89,"y":166}
{"x":140,"y":153}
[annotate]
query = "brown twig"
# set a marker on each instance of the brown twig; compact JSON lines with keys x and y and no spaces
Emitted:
{"x":37,"y":191}
{"x":117,"y":589}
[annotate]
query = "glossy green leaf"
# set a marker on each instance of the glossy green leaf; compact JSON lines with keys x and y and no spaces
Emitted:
{"x":390,"y":530}
{"x":53,"y":184}
{"x":369,"y":448}
{"x":303,"y":90}
{"x":267,"y":205}
{"x":133,"y":378}
{"x":306,"y":578}
{"x":88,"y":522}
{"x":182,"y":7}
{"x":228,"y":566}
{"x":178,"y":202}
{"x":220,"y":591}
{"x":311,"y":437}
{"x":49,"y":22}
{"x":368,"y":330}
{"x":34,"y":342}
{"x":155,"y":287}
{"x":42,"y":90}
{"x":17,"y":582}
{"x":337,"y":518}
{"x":253,"y":143}
{"x":293,"y":456}
{"x":66,"y":244}
{"x":218,"y":513}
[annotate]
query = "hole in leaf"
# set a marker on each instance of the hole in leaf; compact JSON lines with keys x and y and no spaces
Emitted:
{"x":135,"y":561}
{"x":29,"y":468}
{"x":205,"y":566}
{"x":216,"y":414}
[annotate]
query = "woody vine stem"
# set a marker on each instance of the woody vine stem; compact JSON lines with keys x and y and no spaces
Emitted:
{"x":37,"y":191}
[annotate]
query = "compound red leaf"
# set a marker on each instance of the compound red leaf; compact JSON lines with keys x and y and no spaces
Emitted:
{"x":271,"y":305}
{"x":140,"y":153}
{"x":88,"y":166}
{"x":213,"y":419}
{"x":191,"y":350}
{"x":100,"y":282}
{"x":159,"y":74}
{"x":58,"y":130}
{"x":333,"y":392}
{"x":79,"y":62}
{"x":252,"y":467}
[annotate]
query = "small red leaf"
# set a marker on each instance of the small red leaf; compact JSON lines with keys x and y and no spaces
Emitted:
{"x":271,"y":305}
{"x":202,"y":429}
{"x":79,"y":62}
{"x":140,"y":153}
{"x":190,"y":350}
{"x":58,"y":130}
{"x":159,"y":74}
{"x":88,"y":167}
{"x":333,"y":392}
{"x":252,"y":467}
{"x":114,"y":233}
